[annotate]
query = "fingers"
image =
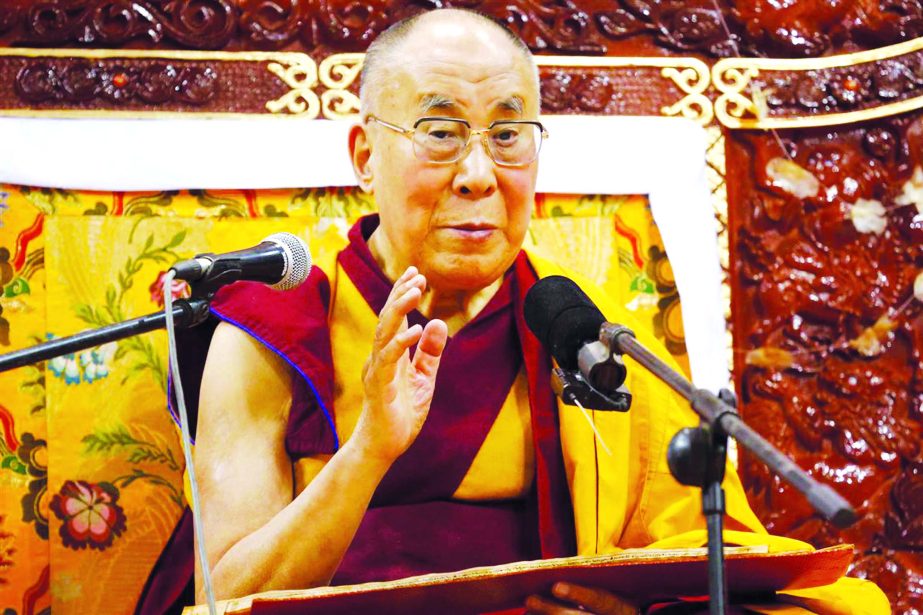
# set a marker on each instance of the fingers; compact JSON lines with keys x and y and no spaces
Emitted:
{"x":405,"y":297}
{"x":544,"y":606}
{"x":595,"y":600}
{"x":430,"y":347}
{"x":401,"y":281}
{"x":395,"y":348}
{"x":584,"y":599}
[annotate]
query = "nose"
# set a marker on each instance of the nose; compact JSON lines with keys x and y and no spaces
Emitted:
{"x":476,"y":177}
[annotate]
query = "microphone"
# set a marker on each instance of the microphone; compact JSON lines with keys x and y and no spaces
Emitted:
{"x":282,"y":261}
{"x":564,"y":319}
{"x":568,"y":324}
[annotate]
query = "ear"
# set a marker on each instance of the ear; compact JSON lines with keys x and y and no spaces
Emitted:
{"x":360,"y":151}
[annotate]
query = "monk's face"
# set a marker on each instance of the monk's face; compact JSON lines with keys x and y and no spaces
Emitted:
{"x":461,"y":224}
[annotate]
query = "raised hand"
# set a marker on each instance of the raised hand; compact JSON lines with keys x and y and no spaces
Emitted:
{"x":398,"y":390}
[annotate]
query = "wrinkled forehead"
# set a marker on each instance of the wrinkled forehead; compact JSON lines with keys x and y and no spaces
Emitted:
{"x":450,"y":70}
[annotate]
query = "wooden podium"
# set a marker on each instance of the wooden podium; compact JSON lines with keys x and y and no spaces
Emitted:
{"x":641,"y":575}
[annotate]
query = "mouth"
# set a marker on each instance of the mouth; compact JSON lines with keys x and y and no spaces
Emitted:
{"x":472,"y":230}
{"x":472,"y":226}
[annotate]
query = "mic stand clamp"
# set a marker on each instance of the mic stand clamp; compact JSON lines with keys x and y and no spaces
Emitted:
{"x":573,"y":389}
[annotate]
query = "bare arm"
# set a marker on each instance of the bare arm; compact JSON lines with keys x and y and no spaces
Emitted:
{"x":259,"y":535}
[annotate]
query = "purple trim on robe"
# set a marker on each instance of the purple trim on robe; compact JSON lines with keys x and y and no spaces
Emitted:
{"x":295,"y":397}
{"x":174,"y":413}
{"x":293,"y":324}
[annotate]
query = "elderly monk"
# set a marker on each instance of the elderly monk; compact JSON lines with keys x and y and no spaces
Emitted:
{"x":393,"y":416}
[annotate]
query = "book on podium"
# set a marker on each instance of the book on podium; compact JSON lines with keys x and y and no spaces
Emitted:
{"x":643,"y":576}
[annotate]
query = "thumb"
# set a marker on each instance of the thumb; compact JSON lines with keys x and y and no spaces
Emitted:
{"x":430,"y":347}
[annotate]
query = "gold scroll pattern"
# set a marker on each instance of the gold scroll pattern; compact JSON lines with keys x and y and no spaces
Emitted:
{"x":337,"y":73}
{"x":299,"y":72}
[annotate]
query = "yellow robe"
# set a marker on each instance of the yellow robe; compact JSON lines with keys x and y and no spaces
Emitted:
{"x":625,"y":500}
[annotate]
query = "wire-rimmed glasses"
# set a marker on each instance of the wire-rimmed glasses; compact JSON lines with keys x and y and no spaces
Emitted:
{"x":444,"y":140}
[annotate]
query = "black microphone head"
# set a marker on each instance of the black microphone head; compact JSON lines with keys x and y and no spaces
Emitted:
{"x":562,"y":317}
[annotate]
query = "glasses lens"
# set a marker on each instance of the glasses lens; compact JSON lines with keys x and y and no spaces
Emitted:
{"x":514,"y":142}
{"x":440,"y":140}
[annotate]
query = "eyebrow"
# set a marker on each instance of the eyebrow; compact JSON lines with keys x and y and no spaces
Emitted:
{"x":513,"y":103}
{"x":430,"y":102}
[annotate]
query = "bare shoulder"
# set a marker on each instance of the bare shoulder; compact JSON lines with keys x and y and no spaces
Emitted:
{"x":243,"y":375}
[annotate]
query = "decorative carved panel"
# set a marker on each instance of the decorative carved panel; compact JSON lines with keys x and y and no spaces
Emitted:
{"x":773,"y":93}
{"x":61,"y":81}
{"x":826,"y":230}
{"x":707,"y":28}
{"x":626,"y":86}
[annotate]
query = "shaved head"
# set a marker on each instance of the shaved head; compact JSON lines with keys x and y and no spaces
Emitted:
{"x":384,"y":54}
{"x":460,"y":222}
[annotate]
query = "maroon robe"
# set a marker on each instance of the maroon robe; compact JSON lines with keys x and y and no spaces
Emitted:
{"x":413,"y":526}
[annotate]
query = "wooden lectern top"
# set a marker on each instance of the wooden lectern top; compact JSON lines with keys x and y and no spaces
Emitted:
{"x":640,"y":575}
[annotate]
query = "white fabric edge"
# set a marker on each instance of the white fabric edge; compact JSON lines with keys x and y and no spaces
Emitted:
{"x":661,"y":157}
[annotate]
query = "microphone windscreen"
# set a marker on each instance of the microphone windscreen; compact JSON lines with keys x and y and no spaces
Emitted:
{"x":297,"y":260}
{"x":562,"y":317}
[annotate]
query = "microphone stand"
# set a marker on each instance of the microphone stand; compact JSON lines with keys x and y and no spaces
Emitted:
{"x":187,"y":313}
{"x":697,"y":456}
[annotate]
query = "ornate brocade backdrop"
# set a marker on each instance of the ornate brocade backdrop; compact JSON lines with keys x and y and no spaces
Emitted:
{"x":822,"y":224}
{"x":90,"y":462}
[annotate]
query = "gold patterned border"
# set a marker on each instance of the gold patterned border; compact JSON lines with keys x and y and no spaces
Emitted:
{"x":296,"y":71}
{"x":325,"y":91}
{"x":742,"y":103}
{"x":309,"y":91}
{"x":690,"y":75}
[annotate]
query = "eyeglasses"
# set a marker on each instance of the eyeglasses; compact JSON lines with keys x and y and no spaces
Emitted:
{"x":444,"y":140}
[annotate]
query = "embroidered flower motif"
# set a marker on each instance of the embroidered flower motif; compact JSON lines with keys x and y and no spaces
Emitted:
{"x":868,"y":216}
{"x":668,"y":321}
{"x":90,"y":513}
{"x":95,"y":362}
{"x":912,"y":191}
{"x":34,"y":455}
{"x":179,"y":289}
{"x":792,"y":178}
{"x":65,"y":366}
{"x":88,"y":366}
